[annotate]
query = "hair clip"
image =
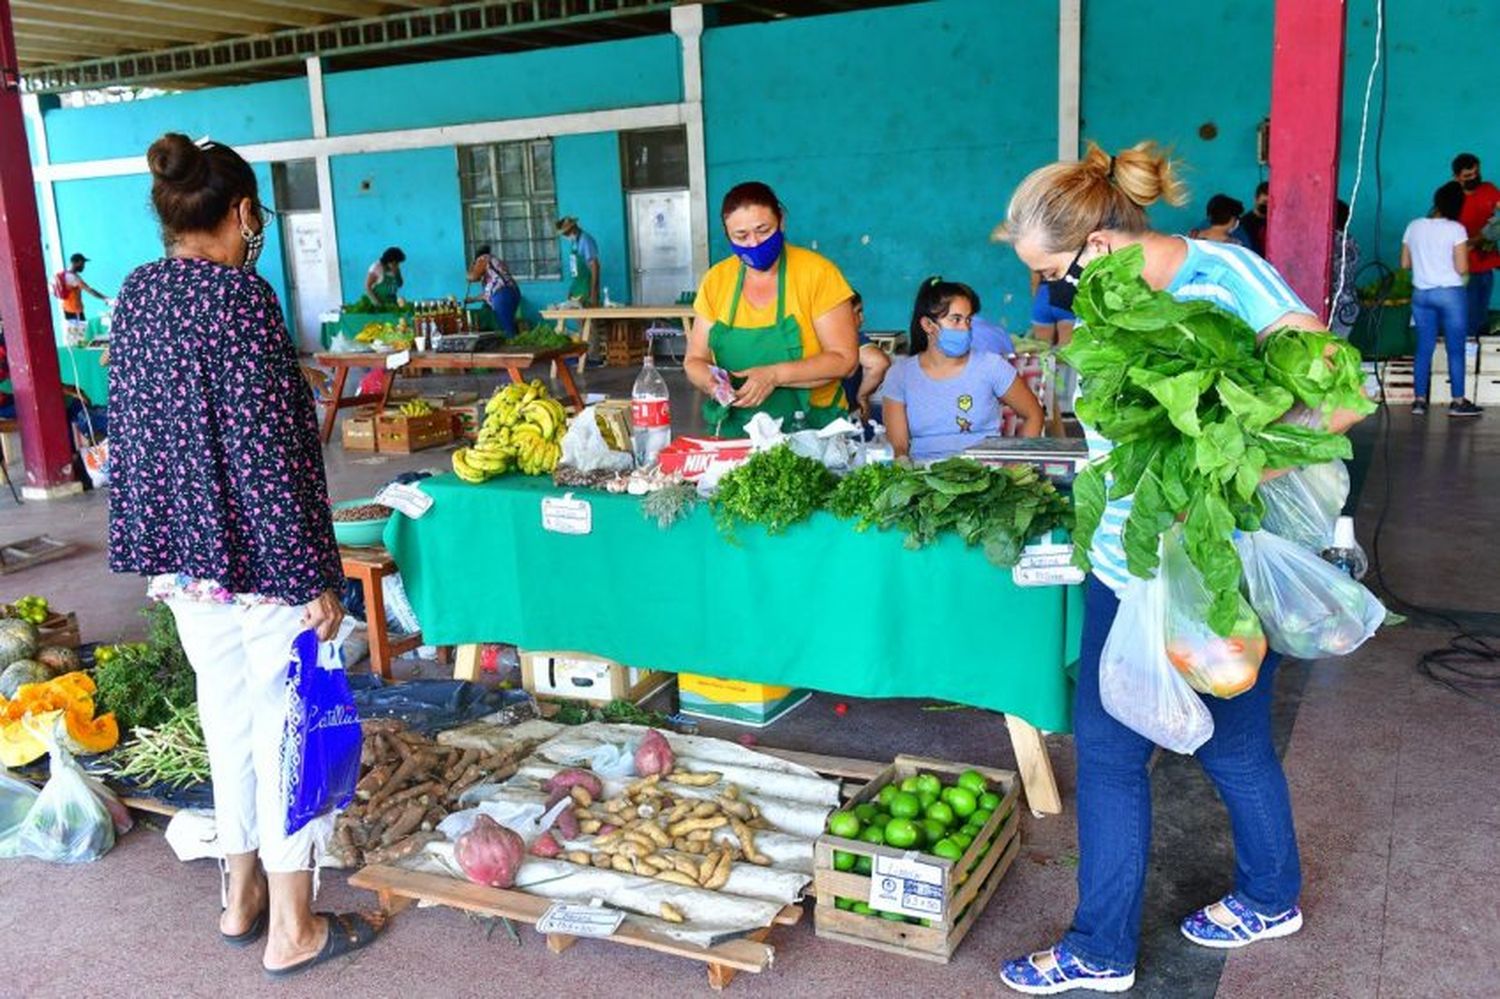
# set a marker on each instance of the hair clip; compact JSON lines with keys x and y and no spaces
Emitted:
{"x":934,"y":281}
{"x":1110,"y":176}
{"x":204,"y":142}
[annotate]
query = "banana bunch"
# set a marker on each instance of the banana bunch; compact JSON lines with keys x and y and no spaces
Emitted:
{"x":522,"y":430}
{"x":416,"y":407}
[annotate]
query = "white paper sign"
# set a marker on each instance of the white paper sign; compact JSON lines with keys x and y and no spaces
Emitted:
{"x":397,"y":360}
{"x":908,"y":886}
{"x":1046,"y":564}
{"x":407,"y":498}
{"x":580,"y":920}
{"x":566,"y":515}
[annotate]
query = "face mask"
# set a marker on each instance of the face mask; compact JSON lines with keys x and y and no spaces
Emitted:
{"x":1472,"y":182}
{"x":954,"y":343}
{"x":1062,"y":291}
{"x":763,"y":255}
{"x":254,"y":242}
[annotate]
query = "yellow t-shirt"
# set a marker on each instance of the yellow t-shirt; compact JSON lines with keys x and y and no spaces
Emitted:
{"x":814,"y":287}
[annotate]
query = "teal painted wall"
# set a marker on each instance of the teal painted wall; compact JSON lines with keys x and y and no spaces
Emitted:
{"x":551,"y":81}
{"x":894,"y":137}
{"x":261,"y":112}
{"x":589,"y":186}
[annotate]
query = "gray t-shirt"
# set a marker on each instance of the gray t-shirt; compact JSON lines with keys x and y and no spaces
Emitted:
{"x":947,"y":415}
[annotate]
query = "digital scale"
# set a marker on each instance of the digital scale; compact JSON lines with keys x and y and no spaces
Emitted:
{"x":1058,"y":458}
{"x":468,"y":343}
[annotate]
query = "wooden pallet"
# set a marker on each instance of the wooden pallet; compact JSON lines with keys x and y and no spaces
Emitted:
{"x":18,"y":555}
{"x":398,"y":889}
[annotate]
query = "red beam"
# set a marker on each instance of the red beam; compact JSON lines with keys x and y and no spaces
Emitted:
{"x":24,"y":309}
{"x":1307,"y":89}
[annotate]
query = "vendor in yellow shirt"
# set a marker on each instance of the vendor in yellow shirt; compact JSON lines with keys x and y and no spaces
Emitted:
{"x":776,"y":318}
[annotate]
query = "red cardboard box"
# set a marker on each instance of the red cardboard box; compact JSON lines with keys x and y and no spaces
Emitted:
{"x":691,"y":456}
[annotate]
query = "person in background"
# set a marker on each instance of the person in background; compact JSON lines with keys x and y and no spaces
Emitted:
{"x":860,"y":387}
{"x":218,"y":496}
{"x":499,"y":288}
{"x":383,"y":280}
{"x":1061,"y":218}
{"x":945,"y":396}
{"x":583,"y":262}
{"x":1436,"y":250}
{"x":990,"y":337}
{"x":1253,"y":223}
{"x":774,"y":318}
{"x":70,"y":287}
{"x":1481,"y":198}
{"x":1053,"y":324}
{"x":1223,"y":219}
{"x":1345,"y":265}
{"x":7,"y":401}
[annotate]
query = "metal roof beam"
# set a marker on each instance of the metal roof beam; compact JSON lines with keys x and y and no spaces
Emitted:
{"x":87,"y":11}
{"x":130,"y":28}
{"x":260,"y":12}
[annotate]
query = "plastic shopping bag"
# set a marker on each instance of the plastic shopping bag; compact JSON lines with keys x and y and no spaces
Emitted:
{"x":16,"y":799}
{"x":585,"y":448}
{"x":1304,"y":504}
{"x":1138,"y":685}
{"x":321,"y":737}
{"x":1308,"y":608}
{"x":67,"y":823}
{"x":1214,"y":664}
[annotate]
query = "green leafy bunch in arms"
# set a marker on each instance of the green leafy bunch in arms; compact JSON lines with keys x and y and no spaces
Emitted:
{"x":1193,"y":407}
{"x":775,"y":489}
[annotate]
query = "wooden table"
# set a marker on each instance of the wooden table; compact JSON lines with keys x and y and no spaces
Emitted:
{"x":514,"y":363}
{"x":612,"y":313}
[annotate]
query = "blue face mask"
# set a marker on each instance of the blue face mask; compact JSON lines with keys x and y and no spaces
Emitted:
{"x":763,"y":255}
{"x":954,"y":343}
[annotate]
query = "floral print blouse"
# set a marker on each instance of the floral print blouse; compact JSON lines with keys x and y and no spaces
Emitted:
{"x":216,"y":468}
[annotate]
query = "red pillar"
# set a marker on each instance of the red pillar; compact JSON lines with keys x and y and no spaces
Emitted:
{"x":24,"y":309}
{"x":1307,"y":92}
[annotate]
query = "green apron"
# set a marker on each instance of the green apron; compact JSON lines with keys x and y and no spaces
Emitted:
{"x":583,"y":281}
{"x":387,"y":289}
{"x":739,"y":348}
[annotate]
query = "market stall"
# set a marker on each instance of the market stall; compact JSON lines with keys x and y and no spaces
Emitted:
{"x":478,"y":318}
{"x":85,"y":368}
{"x":616,"y":317}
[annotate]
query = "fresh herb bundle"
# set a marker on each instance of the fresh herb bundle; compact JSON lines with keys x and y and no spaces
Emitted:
{"x":775,"y":489}
{"x":1192,"y":407}
{"x":541,"y":338}
{"x":669,"y":504}
{"x":144,"y":684}
{"x":855,"y":496}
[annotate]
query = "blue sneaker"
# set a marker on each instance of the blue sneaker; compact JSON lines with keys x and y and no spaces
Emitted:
{"x":1229,"y":923}
{"x":1048,"y":972}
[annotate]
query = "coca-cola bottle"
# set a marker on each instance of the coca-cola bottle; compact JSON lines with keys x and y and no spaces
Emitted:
{"x":650,"y":414}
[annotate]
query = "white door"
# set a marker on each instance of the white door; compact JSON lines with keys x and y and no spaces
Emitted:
{"x":661,"y":247}
{"x":307,"y":275}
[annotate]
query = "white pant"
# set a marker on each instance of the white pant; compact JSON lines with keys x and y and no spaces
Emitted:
{"x":240,"y":657}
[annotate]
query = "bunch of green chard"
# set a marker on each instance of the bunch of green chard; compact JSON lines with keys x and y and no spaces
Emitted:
{"x":1194,"y":408}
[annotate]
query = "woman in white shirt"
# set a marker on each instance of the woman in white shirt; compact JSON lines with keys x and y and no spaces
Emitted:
{"x":1436,"y":249}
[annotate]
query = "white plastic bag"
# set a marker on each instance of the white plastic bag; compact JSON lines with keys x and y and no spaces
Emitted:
{"x":67,"y":824}
{"x":1304,"y":504}
{"x":1137,"y":683}
{"x":16,"y":799}
{"x":1213,"y":664}
{"x":1309,"y":609}
{"x":584,"y":447}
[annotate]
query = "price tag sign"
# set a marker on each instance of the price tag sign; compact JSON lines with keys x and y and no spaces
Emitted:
{"x":566,"y":515}
{"x":399,"y":359}
{"x":1046,"y":564}
{"x":580,"y":920}
{"x":908,"y":886}
{"x":406,"y":498}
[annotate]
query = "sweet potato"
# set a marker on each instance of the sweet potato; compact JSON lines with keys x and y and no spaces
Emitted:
{"x":561,"y":784}
{"x":489,"y":853}
{"x":654,"y":755}
{"x":567,"y":824}
{"x":545,"y":846}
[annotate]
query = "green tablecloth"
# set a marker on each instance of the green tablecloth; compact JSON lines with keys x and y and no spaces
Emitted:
{"x":91,"y":376}
{"x":481,"y":317}
{"x":820,"y":606}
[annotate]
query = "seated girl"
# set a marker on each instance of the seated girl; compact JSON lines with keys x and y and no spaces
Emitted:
{"x":946,"y":396}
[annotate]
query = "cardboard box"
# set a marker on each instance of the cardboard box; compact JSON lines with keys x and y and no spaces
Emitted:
{"x":395,"y":432}
{"x":579,"y":676}
{"x":359,"y":430}
{"x":738,"y":701}
{"x":691,"y":456}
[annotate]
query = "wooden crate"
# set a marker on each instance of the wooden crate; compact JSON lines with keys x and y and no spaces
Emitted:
{"x":579,"y":676}
{"x":396,"y":432}
{"x":624,"y":353}
{"x":359,"y":430}
{"x":61,"y":630}
{"x":969,"y":882}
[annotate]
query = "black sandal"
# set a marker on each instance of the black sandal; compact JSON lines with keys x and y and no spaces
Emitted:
{"x":255,"y":932}
{"x":347,"y":933}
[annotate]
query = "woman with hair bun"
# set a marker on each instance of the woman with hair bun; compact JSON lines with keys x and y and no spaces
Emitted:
{"x":218,"y":496}
{"x":1060,"y":218}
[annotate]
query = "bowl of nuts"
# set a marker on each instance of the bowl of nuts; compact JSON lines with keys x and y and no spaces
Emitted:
{"x":360,"y":521}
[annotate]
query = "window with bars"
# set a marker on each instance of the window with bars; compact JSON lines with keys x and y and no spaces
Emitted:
{"x":510,"y":203}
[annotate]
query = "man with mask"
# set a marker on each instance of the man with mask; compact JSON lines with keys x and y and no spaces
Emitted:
{"x":1480,"y":200}
{"x":1252,"y":227}
{"x":583,"y":262}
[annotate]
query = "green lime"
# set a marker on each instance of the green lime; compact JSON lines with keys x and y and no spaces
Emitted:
{"x":927,"y":798}
{"x":901,"y":833}
{"x":863,"y":865}
{"x":912,"y":784}
{"x":971,"y":830}
{"x":863,"y":909}
{"x":872,"y":834}
{"x":934,"y":830}
{"x":980,"y":816}
{"x":904,"y":805}
{"x":879,"y":819}
{"x":886,"y":794}
{"x":963,"y":839}
{"x":961,"y":800}
{"x":843,"y":860}
{"x":845,"y":824}
{"x":843,"y":903}
{"x":990,"y":800}
{"x":865,"y":813}
{"x":894,"y":917}
{"x":973,"y":780}
{"x":940,"y":811}
{"x":927,"y":782}
{"x":947,"y":849}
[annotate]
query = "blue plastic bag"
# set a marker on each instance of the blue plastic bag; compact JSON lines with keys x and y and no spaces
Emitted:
{"x":320,"y":740}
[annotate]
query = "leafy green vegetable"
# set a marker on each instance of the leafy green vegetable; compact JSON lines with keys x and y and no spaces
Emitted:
{"x":145,"y":685}
{"x":669,"y":504}
{"x":541,"y":338}
{"x":857,"y":493}
{"x":775,"y":489}
{"x":1193,"y":406}
{"x":619,"y":712}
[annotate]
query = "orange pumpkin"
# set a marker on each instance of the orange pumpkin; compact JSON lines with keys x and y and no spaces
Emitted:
{"x":87,"y":734}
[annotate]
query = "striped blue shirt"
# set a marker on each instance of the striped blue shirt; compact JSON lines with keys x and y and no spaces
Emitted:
{"x":1235,"y":279}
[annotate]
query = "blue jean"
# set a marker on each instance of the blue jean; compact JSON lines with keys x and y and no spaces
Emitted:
{"x":504,"y":303}
{"x":1114,"y":803}
{"x":1445,"y":310}
{"x":1481,"y":283}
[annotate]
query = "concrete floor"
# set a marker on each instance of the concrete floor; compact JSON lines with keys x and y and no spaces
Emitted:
{"x":1393,"y":778}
